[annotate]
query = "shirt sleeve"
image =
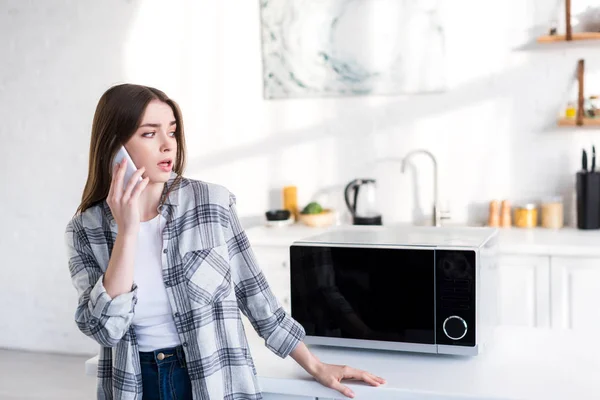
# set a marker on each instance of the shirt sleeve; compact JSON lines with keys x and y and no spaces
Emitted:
{"x":256,"y":300}
{"x":104,"y":319}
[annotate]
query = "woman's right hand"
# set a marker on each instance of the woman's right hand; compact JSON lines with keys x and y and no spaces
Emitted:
{"x":124,"y":205}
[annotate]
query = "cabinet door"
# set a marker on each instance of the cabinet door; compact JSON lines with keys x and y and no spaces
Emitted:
{"x":575,"y":290}
{"x":524,"y":290}
{"x":274,"y":262}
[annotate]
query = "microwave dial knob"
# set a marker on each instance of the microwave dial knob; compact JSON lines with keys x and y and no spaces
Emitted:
{"x":455,"y":327}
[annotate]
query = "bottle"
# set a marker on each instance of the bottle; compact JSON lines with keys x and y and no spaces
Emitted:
{"x":494,"y":217}
{"x":505,"y":215}
{"x":571,"y":111}
{"x":553,"y":27}
{"x":593,"y":108}
{"x":290,"y":200}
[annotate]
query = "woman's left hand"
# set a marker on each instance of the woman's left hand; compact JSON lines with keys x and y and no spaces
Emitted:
{"x":331,"y":376}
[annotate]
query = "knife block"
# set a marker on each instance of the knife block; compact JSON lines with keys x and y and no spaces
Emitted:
{"x":588,"y":200}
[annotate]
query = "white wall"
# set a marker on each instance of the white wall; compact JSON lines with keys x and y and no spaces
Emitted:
{"x":493,"y":131}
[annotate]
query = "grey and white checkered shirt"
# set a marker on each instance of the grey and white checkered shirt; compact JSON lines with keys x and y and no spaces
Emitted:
{"x":210,"y":273}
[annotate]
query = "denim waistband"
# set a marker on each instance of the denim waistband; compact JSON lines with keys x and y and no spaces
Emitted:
{"x":164,"y":355}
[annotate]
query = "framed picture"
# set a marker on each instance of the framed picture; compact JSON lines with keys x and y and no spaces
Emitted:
{"x":316,"y":48}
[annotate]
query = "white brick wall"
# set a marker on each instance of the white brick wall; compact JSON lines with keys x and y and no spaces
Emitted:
{"x":493,"y":131}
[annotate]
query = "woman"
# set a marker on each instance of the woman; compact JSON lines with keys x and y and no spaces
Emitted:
{"x":163,"y":270}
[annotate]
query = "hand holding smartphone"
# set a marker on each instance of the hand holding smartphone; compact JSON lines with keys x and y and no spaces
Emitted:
{"x":129,"y":169}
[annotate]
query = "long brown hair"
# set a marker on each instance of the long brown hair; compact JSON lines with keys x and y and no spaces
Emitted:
{"x":118,"y":115}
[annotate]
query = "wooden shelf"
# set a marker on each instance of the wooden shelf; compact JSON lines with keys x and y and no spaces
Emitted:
{"x":575,"y":36}
{"x":580,"y":119}
{"x":573,"y":122}
{"x":570,"y":35}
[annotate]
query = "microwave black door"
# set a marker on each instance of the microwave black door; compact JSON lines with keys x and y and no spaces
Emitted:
{"x":364,"y":293}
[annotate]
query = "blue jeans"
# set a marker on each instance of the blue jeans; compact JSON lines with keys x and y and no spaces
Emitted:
{"x":164,"y":375}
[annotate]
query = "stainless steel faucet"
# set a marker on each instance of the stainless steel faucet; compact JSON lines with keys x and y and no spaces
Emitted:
{"x":437,"y":213}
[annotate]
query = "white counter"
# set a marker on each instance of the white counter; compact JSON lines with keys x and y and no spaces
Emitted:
{"x":537,"y":241}
{"x":520,"y":363}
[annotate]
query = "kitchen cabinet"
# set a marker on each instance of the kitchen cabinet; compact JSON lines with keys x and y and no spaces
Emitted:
{"x":275,"y":264}
{"x":575,"y":287}
{"x":524,"y":290}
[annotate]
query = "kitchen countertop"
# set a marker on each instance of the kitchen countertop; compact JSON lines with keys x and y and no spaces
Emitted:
{"x":519,"y":363}
{"x":517,"y":241}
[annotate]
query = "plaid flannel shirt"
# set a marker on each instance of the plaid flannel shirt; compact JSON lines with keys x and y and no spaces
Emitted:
{"x":210,"y":273}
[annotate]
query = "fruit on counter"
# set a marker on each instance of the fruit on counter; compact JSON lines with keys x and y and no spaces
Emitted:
{"x":312,"y":208}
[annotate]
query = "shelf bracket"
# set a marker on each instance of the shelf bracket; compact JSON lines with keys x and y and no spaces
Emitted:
{"x":580,"y":75}
{"x":568,"y":20}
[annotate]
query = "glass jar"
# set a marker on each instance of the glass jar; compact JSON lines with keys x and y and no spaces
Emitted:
{"x":526,"y":215}
{"x":571,"y":111}
{"x":552,"y":212}
{"x":594,"y":106}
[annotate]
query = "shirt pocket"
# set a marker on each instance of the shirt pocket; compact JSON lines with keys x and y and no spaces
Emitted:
{"x":208,"y":275}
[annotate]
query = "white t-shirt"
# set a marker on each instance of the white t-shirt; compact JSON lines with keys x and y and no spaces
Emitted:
{"x":153,"y":320}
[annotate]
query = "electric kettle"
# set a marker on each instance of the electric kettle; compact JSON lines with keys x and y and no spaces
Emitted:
{"x":361,"y":201}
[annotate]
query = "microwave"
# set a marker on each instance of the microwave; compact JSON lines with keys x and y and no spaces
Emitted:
{"x":416,"y":289}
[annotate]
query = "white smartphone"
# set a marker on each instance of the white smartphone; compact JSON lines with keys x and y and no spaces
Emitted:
{"x":130,"y":166}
